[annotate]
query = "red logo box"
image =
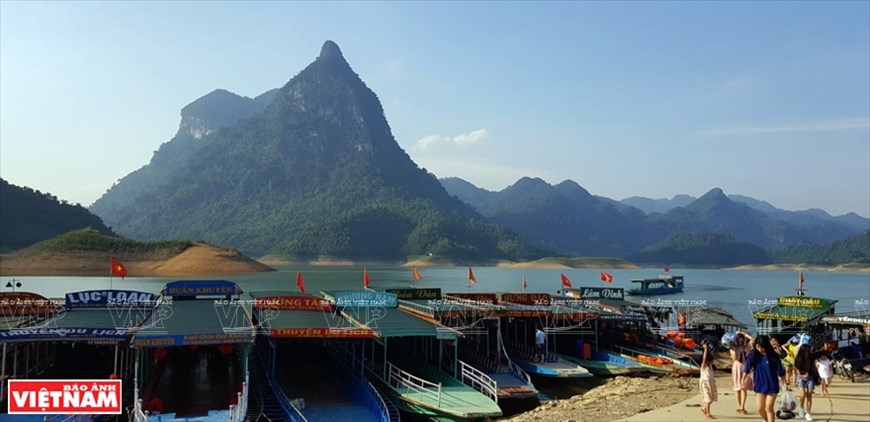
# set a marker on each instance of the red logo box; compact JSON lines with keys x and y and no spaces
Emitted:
{"x":73,"y":397}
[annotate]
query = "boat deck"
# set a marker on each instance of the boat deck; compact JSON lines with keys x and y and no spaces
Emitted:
{"x":559,"y":369}
{"x":509,"y":386}
{"x":456,"y":399}
{"x":195,"y":382}
{"x":304,"y":372}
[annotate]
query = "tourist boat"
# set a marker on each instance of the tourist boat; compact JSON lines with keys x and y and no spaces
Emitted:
{"x":664,"y":284}
{"x":658,"y":363}
{"x":603,"y":363}
{"x":299,"y":377}
{"x":478,"y":318}
{"x":405,"y":357}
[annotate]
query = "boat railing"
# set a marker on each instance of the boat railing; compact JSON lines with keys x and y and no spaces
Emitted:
{"x":419,"y":308}
{"x":378,"y":405}
{"x":515,"y":369}
{"x":239,"y":411}
{"x":373,"y":399}
{"x":397,"y":378}
{"x":478,"y":380}
{"x":286,"y":404}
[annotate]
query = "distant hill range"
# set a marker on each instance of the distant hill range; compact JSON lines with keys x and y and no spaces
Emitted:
{"x":28,"y":216}
{"x":567,"y":219}
{"x":308,"y":170}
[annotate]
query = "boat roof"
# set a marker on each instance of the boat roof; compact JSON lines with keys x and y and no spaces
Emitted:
{"x":662,"y":278}
{"x":856,"y":318}
{"x":797,"y":308}
{"x":195,"y":322}
{"x":308,"y":324}
{"x":394,"y":322}
{"x":449,"y":307}
{"x":282,"y":315}
{"x":91,"y":315}
{"x":711,"y":315}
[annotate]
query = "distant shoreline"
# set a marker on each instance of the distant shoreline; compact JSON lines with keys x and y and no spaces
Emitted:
{"x":205,"y":260}
{"x":781,"y":267}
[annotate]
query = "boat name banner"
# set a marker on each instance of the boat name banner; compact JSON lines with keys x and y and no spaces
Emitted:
{"x":803,"y":302}
{"x":106,"y":298}
{"x":188,"y":288}
{"x":597,"y":293}
{"x":292,"y":303}
{"x":321,"y":333}
{"x":65,"y":397}
{"x":16,"y":304}
{"x":63,"y":333}
{"x":366,"y":299}
{"x":416,"y":294}
{"x":489,"y":298}
{"x":526,"y":298}
{"x":192,"y":339}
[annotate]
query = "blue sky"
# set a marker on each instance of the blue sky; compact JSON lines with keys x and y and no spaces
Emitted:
{"x":769,"y":100}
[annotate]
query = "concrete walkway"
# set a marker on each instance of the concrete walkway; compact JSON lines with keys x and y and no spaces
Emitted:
{"x":846,"y":402}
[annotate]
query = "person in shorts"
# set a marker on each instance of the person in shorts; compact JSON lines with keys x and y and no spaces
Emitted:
{"x":806,"y":380}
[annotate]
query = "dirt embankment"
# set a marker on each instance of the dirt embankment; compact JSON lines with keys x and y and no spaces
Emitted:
{"x":620,"y":397}
{"x":200,"y":258}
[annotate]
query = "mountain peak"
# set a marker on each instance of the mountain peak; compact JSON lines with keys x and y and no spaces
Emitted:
{"x":330,"y":52}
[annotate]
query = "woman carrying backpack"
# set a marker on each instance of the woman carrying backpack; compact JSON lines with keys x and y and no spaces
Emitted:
{"x":767,"y":372}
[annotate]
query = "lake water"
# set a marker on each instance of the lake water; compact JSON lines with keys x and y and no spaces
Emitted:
{"x":738,"y":291}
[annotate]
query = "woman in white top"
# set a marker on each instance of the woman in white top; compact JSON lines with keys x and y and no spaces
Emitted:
{"x":824,"y":365}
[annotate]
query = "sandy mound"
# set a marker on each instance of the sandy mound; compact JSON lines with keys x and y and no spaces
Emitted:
{"x":618,"y":398}
{"x":207,"y":259}
{"x":198,"y":259}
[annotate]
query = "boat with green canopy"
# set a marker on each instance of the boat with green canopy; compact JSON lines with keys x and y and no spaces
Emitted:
{"x":406,"y":357}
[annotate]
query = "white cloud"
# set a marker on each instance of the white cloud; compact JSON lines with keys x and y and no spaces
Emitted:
{"x":820,"y":126}
{"x":463,"y":141}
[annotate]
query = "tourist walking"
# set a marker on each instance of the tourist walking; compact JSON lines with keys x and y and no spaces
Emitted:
{"x":825,"y":367}
{"x":806,"y":380}
{"x":741,"y":381}
{"x":707,"y":383}
{"x":766,"y":368}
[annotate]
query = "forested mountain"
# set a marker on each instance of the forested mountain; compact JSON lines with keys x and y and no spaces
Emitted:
{"x":854,"y":250}
{"x":564,"y":218}
{"x":567,"y":219}
{"x":811,"y":217}
{"x":316,"y":173}
{"x":28,"y":216}
{"x":701,"y":250}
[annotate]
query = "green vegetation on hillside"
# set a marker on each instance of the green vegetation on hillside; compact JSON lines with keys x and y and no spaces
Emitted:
{"x":88,"y":240}
{"x":28,"y":216}
{"x":702,"y":249}
{"x":854,"y":252}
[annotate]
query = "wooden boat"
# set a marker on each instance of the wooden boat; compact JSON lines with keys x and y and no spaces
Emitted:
{"x":658,"y":363}
{"x":664,"y":284}
{"x":608,"y":364}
